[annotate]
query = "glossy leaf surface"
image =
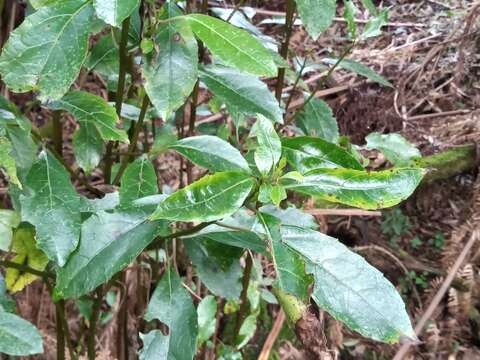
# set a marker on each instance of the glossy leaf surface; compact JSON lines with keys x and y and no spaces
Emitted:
{"x":289,"y":266}
{"x":234,"y":47}
{"x":113,"y":12}
{"x":212,"y":153}
{"x":91,"y":109}
{"x":171,"y":74}
{"x":18,"y":337}
{"x":52,"y":204}
{"x":210,"y":198}
{"x":46,"y":51}
{"x":172,"y":305}
{"x":269,"y":149}
{"x":307,"y":153}
{"x":317,"y":15}
{"x":109,"y":242}
{"x":349,"y":288}
{"x":245,"y":93}
{"x":206,"y":311}
{"x":138,"y":181}
{"x":317,"y":120}
{"x":366,"y":190}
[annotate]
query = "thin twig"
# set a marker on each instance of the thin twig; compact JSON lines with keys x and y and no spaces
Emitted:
{"x":343,"y":212}
{"x":243,"y":296}
{"x":272,"y":336}
{"x":235,"y":9}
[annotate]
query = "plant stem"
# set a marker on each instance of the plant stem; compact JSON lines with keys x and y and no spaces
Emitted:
{"x":57,"y":132}
{"x":97,"y":304}
{"x":133,"y":143}
{"x":60,"y":333}
{"x":60,"y":306}
{"x":25,"y":268}
{"x":122,"y":331}
{"x":285,"y":45}
{"x":243,"y":296}
{"x":235,"y":9}
{"x":158,"y":242}
{"x":119,"y":94}
{"x":294,"y":87}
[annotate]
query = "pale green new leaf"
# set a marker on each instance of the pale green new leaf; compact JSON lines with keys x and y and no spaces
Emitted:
{"x":349,"y":15}
{"x":18,"y":337}
{"x":374,"y":26}
{"x":289,"y":266}
{"x":138,"y":181}
{"x":317,"y":15}
{"x":45,"y":53}
{"x":234,"y":47}
{"x":173,"y":306}
{"x":206,"y":312}
{"x":9,"y":220}
{"x":109,"y":242}
{"x":7,"y":162}
{"x":217,"y":265}
{"x":360,"y":69}
{"x":94,"y":110}
{"x":317,"y":119}
{"x":366,"y":190}
{"x":349,"y":288}
{"x":243,"y":92}
{"x":395,"y":147}
{"x":210,"y":198}
{"x":52,"y":204}
{"x":172,"y":73}
{"x":212,"y":153}
{"x":306,"y":153}
{"x":269,"y":148}
{"x":87,"y":147}
{"x":113,"y":12}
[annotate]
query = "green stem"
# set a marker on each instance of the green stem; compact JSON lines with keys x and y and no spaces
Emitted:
{"x":61,"y":313}
{"x":158,"y":242}
{"x":247,"y":272}
{"x":122,"y":331}
{"x":57,"y":133}
{"x":294,"y":87}
{"x":60,"y":334}
{"x":133,"y":143}
{"x":97,"y":304}
{"x":123,"y":51}
{"x":284,"y":49}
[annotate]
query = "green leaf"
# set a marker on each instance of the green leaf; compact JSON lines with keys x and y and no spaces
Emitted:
{"x":278,"y":194}
{"x":242,"y":92}
{"x":47,"y":50}
{"x":18,"y":337}
{"x":247,"y":330}
{"x":9,"y":220}
{"x":317,"y":119}
{"x":87,"y":147}
{"x":109,"y":202}
{"x":113,"y":12}
{"x":269,"y":149}
{"x":172,"y":73}
{"x":349,"y":15}
{"x":210,"y":198}
{"x":212,"y":153}
{"x":217,"y":265}
{"x":233,"y":46}
{"x":109,"y":242}
{"x":366,"y":190}
{"x":138,"y":181}
{"x":155,"y":346}
{"x":7,"y":304}
{"x":289,"y":266}
{"x":373,"y":27}
{"x":360,"y":69}
{"x":7,"y":161}
{"x":349,"y":288}
{"x":207,"y":322}
{"x":291,"y":216}
{"x":307,"y":153}
{"x":92,"y":109}
{"x":52,"y":204}
{"x":25,"y":248}
{"x":395,"y":147}
{"x":370,"y":7}
{"x":317,"y":15}
{"x":172,"y":305}
{"x":104,"y":57}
